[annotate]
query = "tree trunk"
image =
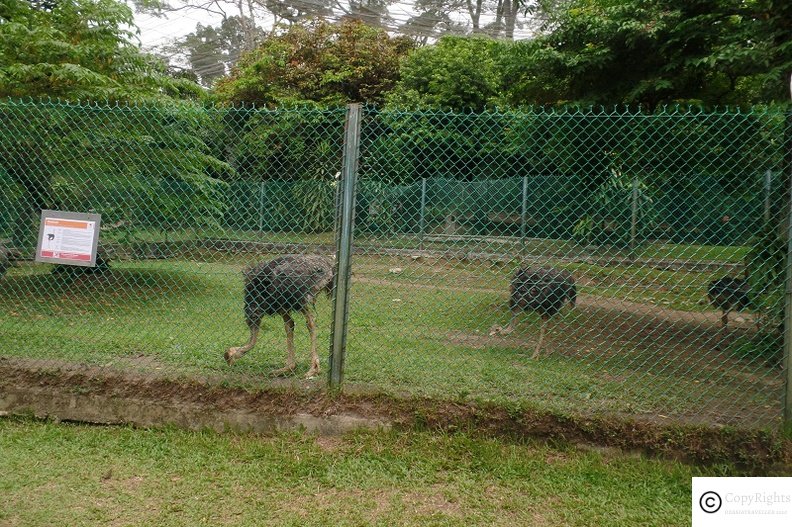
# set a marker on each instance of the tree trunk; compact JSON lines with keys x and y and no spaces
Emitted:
{"x":510,"y":17}
{"x":499,"y":17}
{"x":35,"y":179}
{"x":475,"y":14}
{"x":251,"y":25}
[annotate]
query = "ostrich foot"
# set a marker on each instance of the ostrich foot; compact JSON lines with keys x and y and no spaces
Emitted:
{"x":313,"y":372}
{"x":289,"y":368}
{"x":232,"y":355}
{"x":499,"y":330}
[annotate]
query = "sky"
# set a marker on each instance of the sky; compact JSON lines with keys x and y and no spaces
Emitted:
{"x":156,"y":31}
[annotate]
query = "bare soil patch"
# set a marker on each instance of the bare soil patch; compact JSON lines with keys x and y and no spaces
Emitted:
{"x":689,"y":318}
{"x":758,"y":451}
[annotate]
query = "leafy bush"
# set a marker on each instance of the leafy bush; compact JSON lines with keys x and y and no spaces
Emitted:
{"x":140,"y":167}
{"x":317,"y":62}
{"x":610,"y":218}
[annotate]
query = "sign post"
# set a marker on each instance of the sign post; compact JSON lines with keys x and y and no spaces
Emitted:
{"x":69,"y":238}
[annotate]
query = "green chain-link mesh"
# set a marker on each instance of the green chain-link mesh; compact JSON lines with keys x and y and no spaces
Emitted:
{"x":643,"y":210}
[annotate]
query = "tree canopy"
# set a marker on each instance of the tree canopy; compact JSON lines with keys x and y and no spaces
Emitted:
{"x":62,"y":154}
{"x":79,"y":49}
{"x":318,"y":62}
{"x":211,"y":51}
{"x":647,"y":52}
{"x":710,"y":52}
{"x":457,"y":73}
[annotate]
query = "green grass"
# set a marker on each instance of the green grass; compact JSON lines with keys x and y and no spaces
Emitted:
{"x":681,"y":290}
{"x":716,"y":253}
{"x":77,"y":475}
{"x":423,"y":331}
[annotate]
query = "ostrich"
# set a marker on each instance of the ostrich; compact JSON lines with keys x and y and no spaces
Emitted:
{"x":6,"y":259}
{"x":728,"y":294}
{"x":101,"y":266}
{"x":544,"y":290}
{"x":280,"y":287}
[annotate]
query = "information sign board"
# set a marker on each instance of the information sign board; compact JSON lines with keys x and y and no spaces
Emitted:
{"x":68,"y":238}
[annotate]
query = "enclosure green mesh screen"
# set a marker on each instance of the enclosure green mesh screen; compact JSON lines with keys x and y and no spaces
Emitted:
{"x":643,"y":211}
{"x":640,"y":211}
{"x":189,"y":197}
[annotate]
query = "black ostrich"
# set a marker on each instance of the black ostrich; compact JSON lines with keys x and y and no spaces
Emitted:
{"x":6,"y":259}
{"x":729,"y":294}
{"x":280,"y":287}
{"x":101,"y":266}
{"x":544,"y":290}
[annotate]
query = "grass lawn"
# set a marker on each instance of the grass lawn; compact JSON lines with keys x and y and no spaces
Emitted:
{"x":422,"y":330}
{"x":77,"y":475}
{"x":673,"y":289}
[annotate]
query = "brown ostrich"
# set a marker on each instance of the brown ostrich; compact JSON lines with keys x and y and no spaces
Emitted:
{"x":280,"y":287}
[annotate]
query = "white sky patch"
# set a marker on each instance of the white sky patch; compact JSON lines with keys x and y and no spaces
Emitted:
{"x":159,"y":31}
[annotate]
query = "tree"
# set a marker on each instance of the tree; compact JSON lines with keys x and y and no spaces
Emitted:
{"x":317,"y":62}
{"x":79,"y":49}
{"x":457,"y":73}
{"x":212,"y":51}
{"x":152,"y":168}
{"x":429,"y":24}
{"x":651,"y":52}
{"x":731,"y":51}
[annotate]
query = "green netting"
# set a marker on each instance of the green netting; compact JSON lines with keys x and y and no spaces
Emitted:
{"x":645,"y":212}
{"x":281,"y":206}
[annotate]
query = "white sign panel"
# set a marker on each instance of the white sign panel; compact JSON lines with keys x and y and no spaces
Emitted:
{"x":68,"y":238}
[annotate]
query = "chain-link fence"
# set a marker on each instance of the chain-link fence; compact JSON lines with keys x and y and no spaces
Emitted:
{"x":651,"y":247}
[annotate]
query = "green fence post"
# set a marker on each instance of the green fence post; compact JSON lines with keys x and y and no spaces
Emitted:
{"x":788,"y":321}
{"x":787,"y":423}
{"x":523,"y":215}
{"x":634,"y":218}
{"x":422,"y":217}
{"x":261,"y":207}
{"x":344,"y":233}
{"x":768,"y":188}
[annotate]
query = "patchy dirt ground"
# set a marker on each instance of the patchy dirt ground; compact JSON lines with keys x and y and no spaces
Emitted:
{"x":657,"y":350}
{"x":698,"y":319}
{"x":759,"y":452}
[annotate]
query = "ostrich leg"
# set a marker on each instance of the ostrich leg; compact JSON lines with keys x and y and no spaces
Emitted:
{"x":723,"y":334}
{"x":542,"y":329}
{"x":288,"y":323}
{"x":499,"y":330}
{"x":236,"y":353}
{"x":311,"y":323}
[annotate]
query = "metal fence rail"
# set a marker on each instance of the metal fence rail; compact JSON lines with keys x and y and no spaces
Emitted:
{"x":643,"y":213}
